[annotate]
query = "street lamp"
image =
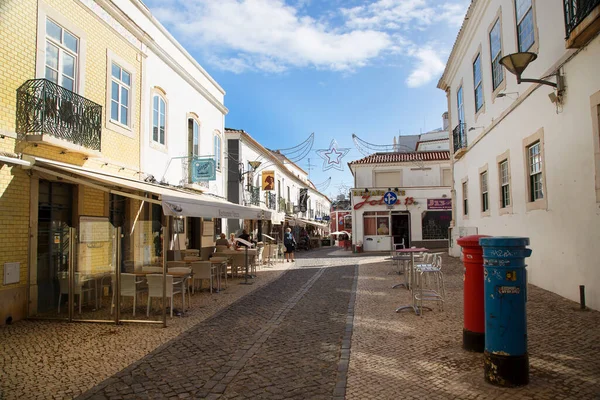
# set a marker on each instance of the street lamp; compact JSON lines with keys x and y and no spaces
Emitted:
{"x":516,"y":63}
{"x":254,"y":165}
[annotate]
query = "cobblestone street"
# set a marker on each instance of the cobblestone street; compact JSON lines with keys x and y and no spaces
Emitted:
{"x":321,"y":328}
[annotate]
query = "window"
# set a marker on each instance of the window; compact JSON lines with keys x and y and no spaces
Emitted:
{"x":435,"y":224}
{"x":465,"y":197}
{"x":218,"y":151}
{"x":288,"y":194}
{"x":496,"y":54}
{"x":485,"y":206}
{"x":504,"y":184}
{"x":536,"y":190}
{"x":159,"y":107}
{"x":62,"y":50}
{"x":194,"y":137}
{"x":460,"y":105}
{"x":120,"y":95}
{"x":376,"y":223}
{"x":477,"y":83}
{"x":525,"y":28}
{"x":446,"y":177}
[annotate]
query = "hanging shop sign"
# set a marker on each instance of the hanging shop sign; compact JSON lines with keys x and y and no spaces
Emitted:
{"x":204,"y":169}
{"x":407,"y":201}
{"x":268,"y":180}
{"x":439,"y":204}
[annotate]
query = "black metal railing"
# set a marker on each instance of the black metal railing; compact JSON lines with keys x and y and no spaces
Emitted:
{"x":43,"y":107}
{"x":282,"y":203}
{"x":576,"y":11}
{"x":271,"y":201}
{"x":254,"y":195}
{"x":459,"y":137}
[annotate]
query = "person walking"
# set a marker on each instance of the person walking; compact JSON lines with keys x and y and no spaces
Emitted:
{"x":290,"y":245}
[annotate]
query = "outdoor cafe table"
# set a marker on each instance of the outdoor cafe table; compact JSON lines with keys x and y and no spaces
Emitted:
{"x":411,"y":282}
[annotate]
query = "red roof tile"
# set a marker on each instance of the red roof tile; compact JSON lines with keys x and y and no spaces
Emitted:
{"x":383,"y":158}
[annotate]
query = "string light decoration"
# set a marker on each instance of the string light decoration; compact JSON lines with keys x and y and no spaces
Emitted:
{"x":332,"y":157}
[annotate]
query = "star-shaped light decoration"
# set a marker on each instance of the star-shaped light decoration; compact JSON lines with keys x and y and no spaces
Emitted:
{"x":332,"y":157}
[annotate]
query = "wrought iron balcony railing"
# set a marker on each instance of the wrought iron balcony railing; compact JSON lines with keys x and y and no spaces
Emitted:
{"x":459,"y":137}
{"x":576,"y":11}
{"x":282,"y":206}
{"x":271,"y":201}
{"x":45,"y":108}
{"x":254,"y":195}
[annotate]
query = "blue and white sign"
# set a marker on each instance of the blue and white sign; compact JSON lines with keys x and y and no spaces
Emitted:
{"x":204,"y":169}
{"x":390,"y":198}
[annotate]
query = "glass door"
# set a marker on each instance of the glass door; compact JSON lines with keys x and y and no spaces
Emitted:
{"x":49,"y":283}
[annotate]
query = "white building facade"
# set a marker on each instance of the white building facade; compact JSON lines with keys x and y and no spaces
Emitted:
{"x":182,"y":119}
{"x":421,"y":214}
{"x":526,"y":157}
{"x":262,"y":178}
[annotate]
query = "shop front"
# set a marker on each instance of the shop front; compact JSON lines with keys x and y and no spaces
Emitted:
{"x":417,"y":217}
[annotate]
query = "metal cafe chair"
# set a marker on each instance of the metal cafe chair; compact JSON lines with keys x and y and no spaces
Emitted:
{"x":425,"y":290}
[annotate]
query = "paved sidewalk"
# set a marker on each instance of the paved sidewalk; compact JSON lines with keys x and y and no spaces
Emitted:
{"x":403,"y":356}
{"x":56,"y":360}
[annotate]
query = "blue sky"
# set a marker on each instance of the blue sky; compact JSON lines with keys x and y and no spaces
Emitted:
{"x":333,"y":67}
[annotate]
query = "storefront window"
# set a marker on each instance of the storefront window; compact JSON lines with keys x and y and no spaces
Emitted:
{"x":435,"y":224}
{"x":376,"y":223}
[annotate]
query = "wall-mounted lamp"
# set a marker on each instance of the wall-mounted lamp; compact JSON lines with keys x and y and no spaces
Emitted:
{"x":475,"y":127}
{"x":516,"y":63}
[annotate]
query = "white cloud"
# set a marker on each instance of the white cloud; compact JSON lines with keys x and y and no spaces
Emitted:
{"x":274,"y":36}
{"x":396,"y":14}
{"x":271,"y":34}
{"x":428,"y":66}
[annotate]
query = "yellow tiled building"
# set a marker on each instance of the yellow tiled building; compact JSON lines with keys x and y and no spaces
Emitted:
{"x":70,"y":92}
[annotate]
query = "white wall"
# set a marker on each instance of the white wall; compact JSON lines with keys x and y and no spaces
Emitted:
{"x":189,"y":89}
{"x":412,"y":175}
{"x":420,"y":196}
{"x":564,"y":234}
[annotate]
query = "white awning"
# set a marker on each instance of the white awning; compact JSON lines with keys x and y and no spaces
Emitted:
{"x":207,"y":206}
{"x":175,"y":202}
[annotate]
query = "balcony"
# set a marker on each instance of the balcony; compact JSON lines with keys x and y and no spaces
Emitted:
{"x":282,"y":205}
{"x":52,"y":114}
{"x":254,"y":195}
{"x":289,"y":207}
{"x":582,"y":21}
{"x":271,"y":201}
{"x":459,"y":138}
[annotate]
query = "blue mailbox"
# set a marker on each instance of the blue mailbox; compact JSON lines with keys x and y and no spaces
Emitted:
{"x":506,"y":362}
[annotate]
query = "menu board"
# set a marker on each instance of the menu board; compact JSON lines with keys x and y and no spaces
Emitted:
{"x":94,"y":229}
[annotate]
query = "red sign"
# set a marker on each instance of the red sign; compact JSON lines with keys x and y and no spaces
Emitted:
{"x":439,"y":204}
{"x":407,"y":201}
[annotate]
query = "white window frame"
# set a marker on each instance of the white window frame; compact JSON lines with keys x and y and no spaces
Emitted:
{"x":478,"y":85}
{"x":484,"y":186}
{"x":46,"y":12}
{"x":117,"y":126}
{"x":534,"y":45}
{"x":460,"y":104}
{"x":218,"y":153}
{"x":465,"y":198}
{"x":194,"y":118}
{"x":156,"y":92}
{"x":534,"y":165}
{"x":504,"y":184}
{"x":539,"y":203}
{"x":495,"y":58}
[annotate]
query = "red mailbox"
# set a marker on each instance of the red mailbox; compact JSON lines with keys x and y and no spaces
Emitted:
{"x":474,"y":325}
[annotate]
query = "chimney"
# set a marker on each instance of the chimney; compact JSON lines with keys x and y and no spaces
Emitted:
{"x":445,"y":122}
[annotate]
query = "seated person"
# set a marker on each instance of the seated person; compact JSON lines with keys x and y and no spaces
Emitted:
{"x":244,"y":236}
{"x":222,"y":240}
